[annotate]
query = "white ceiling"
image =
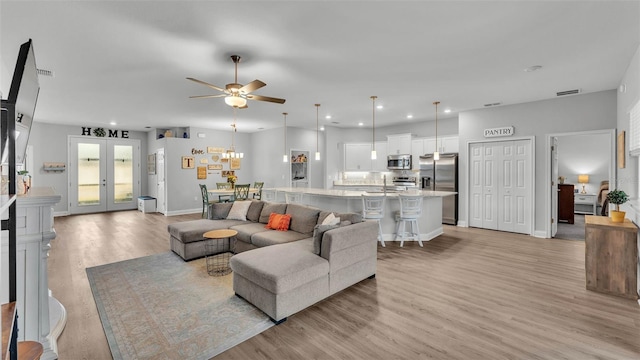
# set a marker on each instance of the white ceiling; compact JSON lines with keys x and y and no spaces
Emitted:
{"x":126,"y":61}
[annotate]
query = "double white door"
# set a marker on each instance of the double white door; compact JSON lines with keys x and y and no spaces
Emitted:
{"x":104,"y":174}
{"x":501,"y":185}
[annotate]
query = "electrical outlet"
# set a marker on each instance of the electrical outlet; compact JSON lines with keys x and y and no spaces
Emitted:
{"x":195,"y":198}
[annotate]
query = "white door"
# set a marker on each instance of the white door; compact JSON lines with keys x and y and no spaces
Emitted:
{"x":160,"y":176}
{"x":500,"y":183}
{"x":104,"y":174}
{"x":554,"y":186}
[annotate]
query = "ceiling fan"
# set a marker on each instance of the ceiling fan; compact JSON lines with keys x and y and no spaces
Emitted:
{"x":235,"y":94}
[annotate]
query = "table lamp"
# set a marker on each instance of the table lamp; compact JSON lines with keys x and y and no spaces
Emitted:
{"x":583,"y":179}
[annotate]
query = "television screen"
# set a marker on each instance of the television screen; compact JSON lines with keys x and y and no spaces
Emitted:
{"x":24,"y":94}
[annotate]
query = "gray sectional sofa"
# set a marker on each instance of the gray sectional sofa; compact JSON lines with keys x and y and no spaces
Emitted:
{"x":283,"y":272}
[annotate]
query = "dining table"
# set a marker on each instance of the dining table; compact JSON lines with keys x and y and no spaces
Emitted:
{"x":219,"y":192}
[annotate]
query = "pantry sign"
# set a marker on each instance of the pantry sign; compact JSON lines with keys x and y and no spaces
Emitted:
{"x":501,"y":131}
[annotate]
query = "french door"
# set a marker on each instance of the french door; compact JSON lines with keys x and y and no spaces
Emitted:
{"x":104,"y":174}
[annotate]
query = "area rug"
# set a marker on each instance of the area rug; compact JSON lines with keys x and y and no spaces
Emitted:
{"x":162,"y":307}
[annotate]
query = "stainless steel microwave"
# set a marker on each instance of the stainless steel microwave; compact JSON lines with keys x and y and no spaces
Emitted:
{"x":399,"y":162}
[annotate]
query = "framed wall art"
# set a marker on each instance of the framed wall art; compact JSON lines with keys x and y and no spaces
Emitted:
{"x":214,"y":167}
{"x":202,"y":172}
{"x":234,"y":164}
{"x":151,"y":164}
{"x":188,"y":162}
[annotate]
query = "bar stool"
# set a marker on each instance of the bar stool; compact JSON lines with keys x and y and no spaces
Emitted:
{"x":373,"y":209}
{"x":410,"y":211}
{"x":293,"y":198}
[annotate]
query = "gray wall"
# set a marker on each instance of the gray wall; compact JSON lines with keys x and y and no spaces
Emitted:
{"x":628,"y":177}
{"x":594,"y":111}
{"x":50,"y":144}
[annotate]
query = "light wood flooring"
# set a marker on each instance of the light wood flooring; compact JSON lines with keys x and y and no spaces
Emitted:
{"x":468,"y":294}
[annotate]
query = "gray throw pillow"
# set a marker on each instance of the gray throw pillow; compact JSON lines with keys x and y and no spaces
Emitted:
{"x":270,"y":207}
{"x":219,"y":210}
{"x":254,"y":210}
{"x":318,"y":232}
{"x":353,"y":217}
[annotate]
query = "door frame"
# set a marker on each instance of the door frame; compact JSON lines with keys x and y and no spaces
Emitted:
{"x":548,"y":175}
{"x":532,"y":139}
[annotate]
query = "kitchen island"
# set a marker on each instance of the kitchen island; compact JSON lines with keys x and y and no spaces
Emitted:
{"x":351,"y":201}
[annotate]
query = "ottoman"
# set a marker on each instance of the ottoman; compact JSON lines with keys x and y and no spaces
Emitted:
{"x":281,"y":279}
{"x":186,"y":238}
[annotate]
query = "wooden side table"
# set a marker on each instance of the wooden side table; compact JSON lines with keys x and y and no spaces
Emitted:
{"x":611,"y":256}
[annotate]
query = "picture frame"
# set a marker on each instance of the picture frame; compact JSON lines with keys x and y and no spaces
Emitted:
{"x":151,"y":164}
{"x":214,"y":167}
{"x":202,"y":172}
{"x":214,"y":150}
{"x":226,"y":173}
{"x":234,"y":163}
{"x":188,"y":162}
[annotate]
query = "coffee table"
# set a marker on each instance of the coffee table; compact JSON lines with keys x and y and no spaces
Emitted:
{"x":218,"y":251}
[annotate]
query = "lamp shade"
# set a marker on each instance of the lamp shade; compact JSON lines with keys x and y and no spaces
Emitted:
{"x":235,"y":101}
{"x":583,"y":178}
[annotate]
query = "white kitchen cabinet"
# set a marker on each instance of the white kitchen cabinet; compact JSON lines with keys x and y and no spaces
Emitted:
{"x":380,"y":164}
{"x":399,"y":144}
{"x":449,"y":144}
{"x":430,"y":145}
{"x":417,"y":150}
{"x":357,"y":157}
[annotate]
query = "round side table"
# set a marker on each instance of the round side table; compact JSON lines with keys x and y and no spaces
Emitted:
{"x":218,"y":251}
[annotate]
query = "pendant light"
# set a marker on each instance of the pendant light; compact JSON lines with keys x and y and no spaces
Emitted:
{"x":436,"y":154}
{"x":317,"y":132}
{"x":285,"y":157}
{"x":374,"y":156}
{"x":231,"y":152}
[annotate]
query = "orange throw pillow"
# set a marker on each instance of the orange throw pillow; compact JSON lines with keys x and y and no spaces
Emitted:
{"x":279,"y":222}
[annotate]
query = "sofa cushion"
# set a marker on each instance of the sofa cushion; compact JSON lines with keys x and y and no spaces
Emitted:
{"x":191,"y":231}
{"x":323,"y":215}
{"x":318,"y":232}
{"x":331,"y":220}
{"x":246,"y":230}
{"x":278,"y":222}
{"x":239,"y":210}
{"x":270,"y":207}
{"x":273,"y":237}
{"x":254,"y":210}
{"x":219,"y":210}
{"x":303,"y":218}
{"x":280,"y":268}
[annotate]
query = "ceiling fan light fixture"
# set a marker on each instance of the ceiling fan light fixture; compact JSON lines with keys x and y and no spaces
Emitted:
{"x":235,"y":101}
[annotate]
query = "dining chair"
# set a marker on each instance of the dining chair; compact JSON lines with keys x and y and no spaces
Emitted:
{"x":205,"y":201}
{"x":241,"y":192}
{"x":224,"y":185}
{"x":373,"y":209}
{"x":258,"y":186}
{"x":410,"y":212}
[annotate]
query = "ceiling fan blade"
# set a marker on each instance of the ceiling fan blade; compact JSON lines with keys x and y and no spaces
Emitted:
{"x":207,"y":96}
{"x":207,"y":84}
{"x":252,"y":86}
{"x":266,"y":98}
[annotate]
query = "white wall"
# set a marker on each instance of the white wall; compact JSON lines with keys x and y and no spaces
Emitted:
{"x":628,"y":177}
{"x":584,"y":154}
{"x":593,"y":111}
{"x":50,"y":144}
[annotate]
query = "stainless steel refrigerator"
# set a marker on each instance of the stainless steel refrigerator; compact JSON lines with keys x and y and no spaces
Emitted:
{"x":442,"y":175}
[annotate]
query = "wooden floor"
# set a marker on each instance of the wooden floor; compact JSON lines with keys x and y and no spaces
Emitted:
{"x":468,"y":294}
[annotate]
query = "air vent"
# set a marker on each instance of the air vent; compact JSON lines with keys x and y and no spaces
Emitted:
{"x":44,"y":72}
{"x":492,"y":104}
{"x":568,"y":92}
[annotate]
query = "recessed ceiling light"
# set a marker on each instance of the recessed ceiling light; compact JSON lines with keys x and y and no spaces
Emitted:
{"x":360,"y":123}
{"x":113,"y":123}
{"x":322,"y":128}
{"x":409,"y":116}
{"x":447,"y":110}
{"x":379,"y":107}
{"x":328,"y":117}
{"x":533,"y":68}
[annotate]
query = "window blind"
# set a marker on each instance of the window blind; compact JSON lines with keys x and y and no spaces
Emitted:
{"x":634,"y":130}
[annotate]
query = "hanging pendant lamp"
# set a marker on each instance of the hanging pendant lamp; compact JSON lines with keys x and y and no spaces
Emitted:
{"x":231,"y":152}
{"x":374,"y":156}
{"x":317,"y":132}
{"x":436,"y":154}
{"x":285,"y":157}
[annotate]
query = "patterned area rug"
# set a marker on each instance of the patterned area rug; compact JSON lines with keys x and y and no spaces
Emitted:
{"x":164,"y":308}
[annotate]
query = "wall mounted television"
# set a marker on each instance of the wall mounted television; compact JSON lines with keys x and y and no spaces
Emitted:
{"x":24,"y":94}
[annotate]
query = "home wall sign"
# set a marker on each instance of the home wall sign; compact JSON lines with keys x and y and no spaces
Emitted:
{"x":101,"y":132}
{"x":202,"y":172}
{"x":196,"y":151}
{"x":188,"y":162}
{"x":501,"y":131}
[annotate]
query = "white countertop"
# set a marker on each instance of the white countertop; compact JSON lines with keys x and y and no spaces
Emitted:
{"x":357,"y":194}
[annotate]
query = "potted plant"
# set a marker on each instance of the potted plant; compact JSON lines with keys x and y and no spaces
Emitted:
{"x":617,"y":197}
